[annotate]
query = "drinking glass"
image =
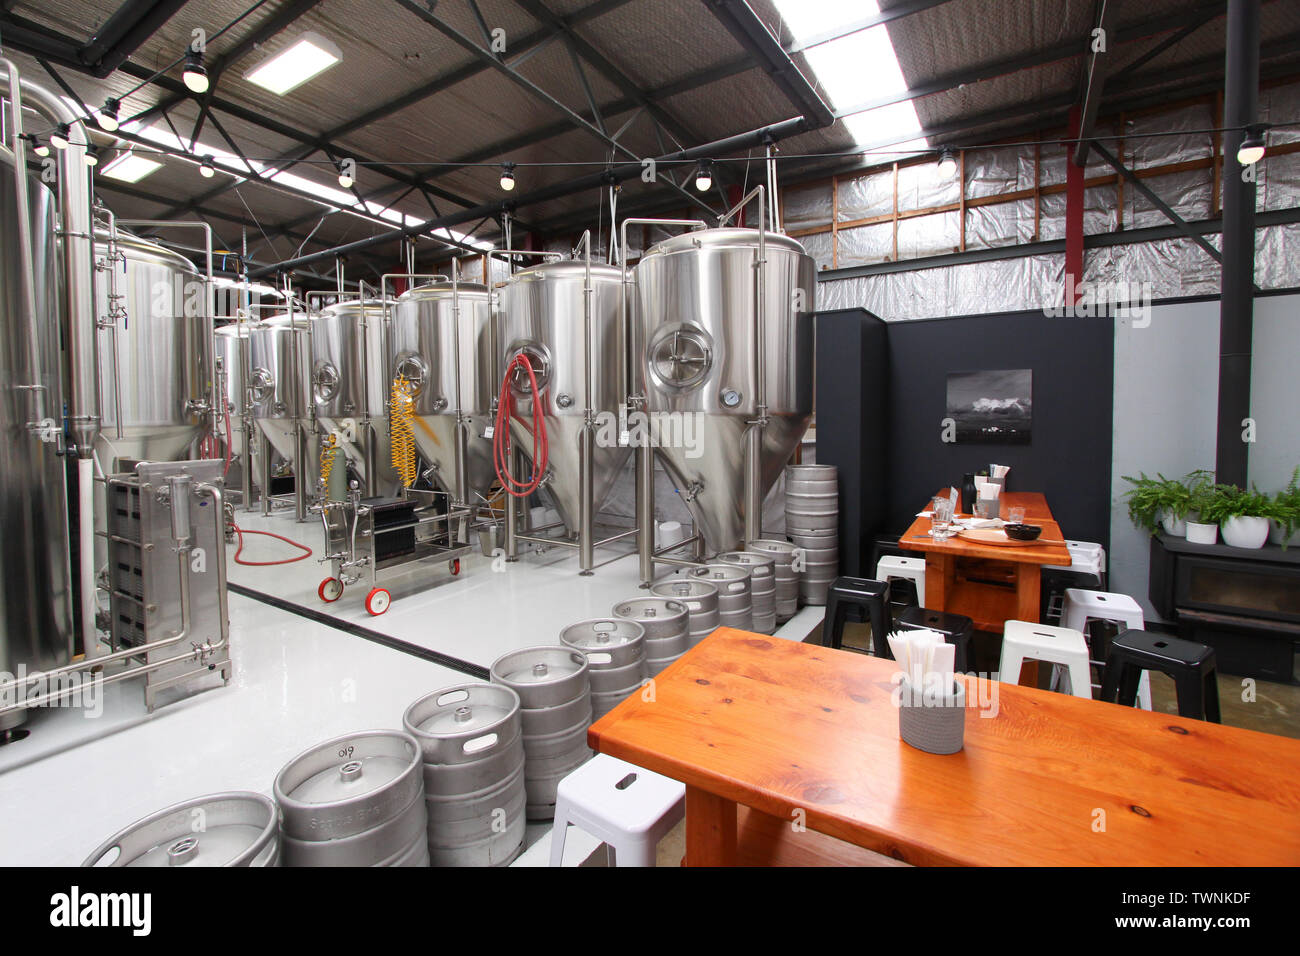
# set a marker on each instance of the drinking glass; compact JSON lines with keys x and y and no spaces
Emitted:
{"x":1016,"y":515}
{"x":941,"y":518}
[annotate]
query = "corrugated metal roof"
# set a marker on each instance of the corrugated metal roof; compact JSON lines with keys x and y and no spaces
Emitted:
{"x":389,"y":51}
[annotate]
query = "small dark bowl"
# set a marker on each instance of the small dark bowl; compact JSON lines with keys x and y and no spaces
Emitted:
{"x":1022,"y":532}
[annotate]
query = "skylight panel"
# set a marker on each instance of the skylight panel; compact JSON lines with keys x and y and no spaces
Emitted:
{"x":309,"y":56}
{"x":855,"y":67}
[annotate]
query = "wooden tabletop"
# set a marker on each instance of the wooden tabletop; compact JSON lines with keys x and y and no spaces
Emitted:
{"x":1050,"y":780}
{"x":1049,"y":549}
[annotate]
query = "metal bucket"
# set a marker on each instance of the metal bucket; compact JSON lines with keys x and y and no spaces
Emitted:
{"x":701,"y":600}
{"x":762,"y":585}
{"x":472,"y":740}
{"x":615,"y":651}
{"x":787,"y":578}
{"x":667,"y":629}
{"x":735,"y":602}
{"x":554,"y":688}
{"x":222,"y":829}
{"x":356,"y":800}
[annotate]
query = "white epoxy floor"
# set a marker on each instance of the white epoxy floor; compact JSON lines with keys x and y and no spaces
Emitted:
{"x":489,"y":609}
{"x":75,"y":781}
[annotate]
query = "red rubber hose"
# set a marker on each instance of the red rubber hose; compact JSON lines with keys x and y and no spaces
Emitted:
{"x":501,"y":441}
{"x":270,"y":534}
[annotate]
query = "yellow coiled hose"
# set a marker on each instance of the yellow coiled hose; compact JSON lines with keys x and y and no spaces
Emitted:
{"x":401,"y":412}
{"x":329,"y":451}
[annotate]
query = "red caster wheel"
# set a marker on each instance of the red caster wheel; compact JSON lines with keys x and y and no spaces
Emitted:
{"x":454,"y":565}
{"x":330,"y":590}
{"x":377,"y":601}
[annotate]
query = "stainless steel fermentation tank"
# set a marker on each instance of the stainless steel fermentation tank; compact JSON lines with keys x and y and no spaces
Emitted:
{"x":722,"y":332}
{"x":349,"y":389}
{"x":48,"y":396}
{"x":156,"y":382}
{"x":444,"y":338}
{"x":277,"y":389}
{"x":231,"y":358}
{"x":50,"y":408}
{"x":565,"y":316}
{"x":36,"y":629}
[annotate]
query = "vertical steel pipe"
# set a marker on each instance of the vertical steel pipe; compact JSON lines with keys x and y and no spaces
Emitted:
{"x":1237,"y":287}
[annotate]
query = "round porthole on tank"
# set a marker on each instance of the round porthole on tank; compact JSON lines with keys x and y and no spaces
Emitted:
{"x":325,"y":381}
{"x":679,"y":356}
{"x":261,"y":386}
{"x":540,"y":360}
{"x":412,"y":368}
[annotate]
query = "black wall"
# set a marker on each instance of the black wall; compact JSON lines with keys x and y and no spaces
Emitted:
{"x":1069,"y":459}
{"x":852,"y":405}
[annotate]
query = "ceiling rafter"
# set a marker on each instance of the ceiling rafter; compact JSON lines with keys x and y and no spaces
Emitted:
{"x":529,"y":43}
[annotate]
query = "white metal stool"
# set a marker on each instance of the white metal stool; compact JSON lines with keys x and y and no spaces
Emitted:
{"x":1022,"y":641}
{"x":627,"y":808}
{"x":911,"y":569}
{"x":1082,"y":606}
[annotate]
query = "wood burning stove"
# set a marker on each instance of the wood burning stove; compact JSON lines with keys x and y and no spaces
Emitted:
{"x":1243,"y":603}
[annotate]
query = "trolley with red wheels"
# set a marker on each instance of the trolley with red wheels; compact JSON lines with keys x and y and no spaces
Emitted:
{"x":374,"y":538}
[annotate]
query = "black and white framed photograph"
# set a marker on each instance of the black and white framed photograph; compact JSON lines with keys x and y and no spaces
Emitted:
{"x":993,"y":406}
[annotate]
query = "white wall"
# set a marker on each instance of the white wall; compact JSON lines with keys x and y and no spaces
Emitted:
{"x":1166,"y":397}
{"x":1275,"y":391}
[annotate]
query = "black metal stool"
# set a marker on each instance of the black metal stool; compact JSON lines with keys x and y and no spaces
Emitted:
{"x":957,"y":629}
{"x":1191,"y":665}
{"x":859,"y":600}
{"x":1054,"y":582}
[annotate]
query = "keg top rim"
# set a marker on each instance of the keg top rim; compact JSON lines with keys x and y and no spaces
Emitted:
{"x":637,"y":606}
{"x":518,"y":667}
{"x":485,"y":706}
{"x":733,"y":571}
{"x":695,"y":588}
{"x":392,"y":755}
{"x":624,"y":632}
{"x":164,"y":828}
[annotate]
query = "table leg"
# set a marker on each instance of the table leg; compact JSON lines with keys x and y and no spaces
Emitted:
{"x":710,"y":829}
{"x":1028,"y":582}
{"x":940,"y":576}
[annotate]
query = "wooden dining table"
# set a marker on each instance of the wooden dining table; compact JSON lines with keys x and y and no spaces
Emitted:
{"x":790,"y":754}
{"x":990,"y":584}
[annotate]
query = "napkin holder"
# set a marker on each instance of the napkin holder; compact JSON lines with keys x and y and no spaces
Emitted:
{"x":934,"y":723}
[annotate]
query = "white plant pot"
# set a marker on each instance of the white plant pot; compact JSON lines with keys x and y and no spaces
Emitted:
{"x":1174,"y":527}
{"x":1277,"y":534}
{"x":1245,"y":531}
{"x":1198,"y":533}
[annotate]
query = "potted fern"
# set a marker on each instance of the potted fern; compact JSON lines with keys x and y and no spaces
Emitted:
{"x":1243,"y":516}
{"x":1202,"y":526}
{"x":1285,"y":526}
{"x":1163,"y":502}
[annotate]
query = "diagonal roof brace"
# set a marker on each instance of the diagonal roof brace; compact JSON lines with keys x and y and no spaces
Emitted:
{"x":752,"y":33}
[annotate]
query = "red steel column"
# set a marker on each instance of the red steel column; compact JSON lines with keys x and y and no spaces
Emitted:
{"x":1073,"y":216}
